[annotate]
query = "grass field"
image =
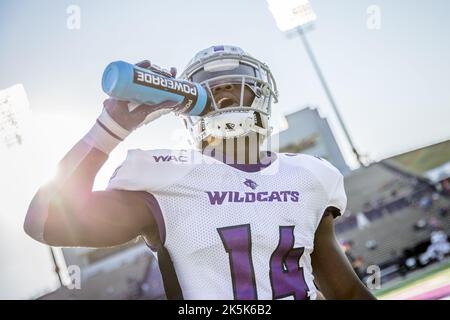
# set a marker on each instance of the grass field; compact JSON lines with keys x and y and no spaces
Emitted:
{"x":421,"y":160}
{"x":432,"y":283}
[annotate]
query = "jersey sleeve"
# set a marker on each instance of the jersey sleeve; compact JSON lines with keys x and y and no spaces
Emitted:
{"x":126,"y":176}
{"x":331,"y":181}
{"x":338,"y":197}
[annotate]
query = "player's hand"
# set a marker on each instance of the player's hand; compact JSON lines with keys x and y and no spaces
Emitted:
{"x":130,"y":115}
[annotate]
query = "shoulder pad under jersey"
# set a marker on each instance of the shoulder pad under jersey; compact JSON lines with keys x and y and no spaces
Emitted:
{"x":147,"y":170}
{"x":328,"y":176}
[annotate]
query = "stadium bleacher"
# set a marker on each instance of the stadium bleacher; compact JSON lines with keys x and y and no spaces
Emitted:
{"x":137,"y":280}
{"x":393,"y":201}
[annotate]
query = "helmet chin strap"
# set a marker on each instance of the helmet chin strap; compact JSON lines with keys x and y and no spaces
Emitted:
{"x":229,"y":125}
{"x":232,"y":125}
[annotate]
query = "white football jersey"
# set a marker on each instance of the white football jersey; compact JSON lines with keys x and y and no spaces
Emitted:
{"x":236,"y":232}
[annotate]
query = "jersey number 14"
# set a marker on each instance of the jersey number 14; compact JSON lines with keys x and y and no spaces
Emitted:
{"x":286,"y":275}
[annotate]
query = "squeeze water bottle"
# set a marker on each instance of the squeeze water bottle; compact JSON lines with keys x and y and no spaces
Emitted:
{"x":125,"y":81}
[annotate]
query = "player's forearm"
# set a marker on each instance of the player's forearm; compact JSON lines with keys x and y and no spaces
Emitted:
{"x":356,"y":291}
{"x":347,"y":287}
{"x":57,"y":206}
{"x":66,"y":193}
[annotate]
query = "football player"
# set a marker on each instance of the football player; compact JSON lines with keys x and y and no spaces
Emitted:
{"x":226,"y":219}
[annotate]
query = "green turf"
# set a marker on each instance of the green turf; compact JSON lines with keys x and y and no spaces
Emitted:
{"x":416,"y":277}
{"x":421,"y":160}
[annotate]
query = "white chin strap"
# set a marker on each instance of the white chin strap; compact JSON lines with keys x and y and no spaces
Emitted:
{"x":231,"y":125}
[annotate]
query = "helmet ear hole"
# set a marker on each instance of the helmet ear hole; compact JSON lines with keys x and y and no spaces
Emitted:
{"x":265,"y":90}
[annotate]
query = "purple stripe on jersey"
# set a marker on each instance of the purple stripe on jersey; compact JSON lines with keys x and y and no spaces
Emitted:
{"x":156,"y":212}
{"x":269,"y":158}
{"x":254,"y":167}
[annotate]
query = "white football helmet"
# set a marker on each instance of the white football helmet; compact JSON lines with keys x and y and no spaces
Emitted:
{"x":220,"y":66}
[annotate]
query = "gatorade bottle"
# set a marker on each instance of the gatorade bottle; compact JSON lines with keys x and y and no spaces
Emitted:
{"x":125,"y":81}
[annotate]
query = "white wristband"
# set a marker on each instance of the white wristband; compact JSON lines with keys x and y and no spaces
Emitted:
{"x":106,"y":133}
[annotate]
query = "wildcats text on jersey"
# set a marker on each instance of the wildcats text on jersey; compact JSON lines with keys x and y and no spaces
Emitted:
{"x":219,"y":197}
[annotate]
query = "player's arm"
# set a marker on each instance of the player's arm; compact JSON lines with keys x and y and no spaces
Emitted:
{"x":66,"y":212}
{"x":333,"y":272}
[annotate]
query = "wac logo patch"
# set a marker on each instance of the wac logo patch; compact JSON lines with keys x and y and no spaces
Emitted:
{"x":166,"y":158}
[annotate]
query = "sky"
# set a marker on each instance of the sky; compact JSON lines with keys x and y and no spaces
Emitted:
{"x":390,"y":84}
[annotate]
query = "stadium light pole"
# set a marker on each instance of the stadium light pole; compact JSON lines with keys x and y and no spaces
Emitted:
{"x":56,"y":267}
{"x":14,"y":111}
{"x":296,"y":14}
